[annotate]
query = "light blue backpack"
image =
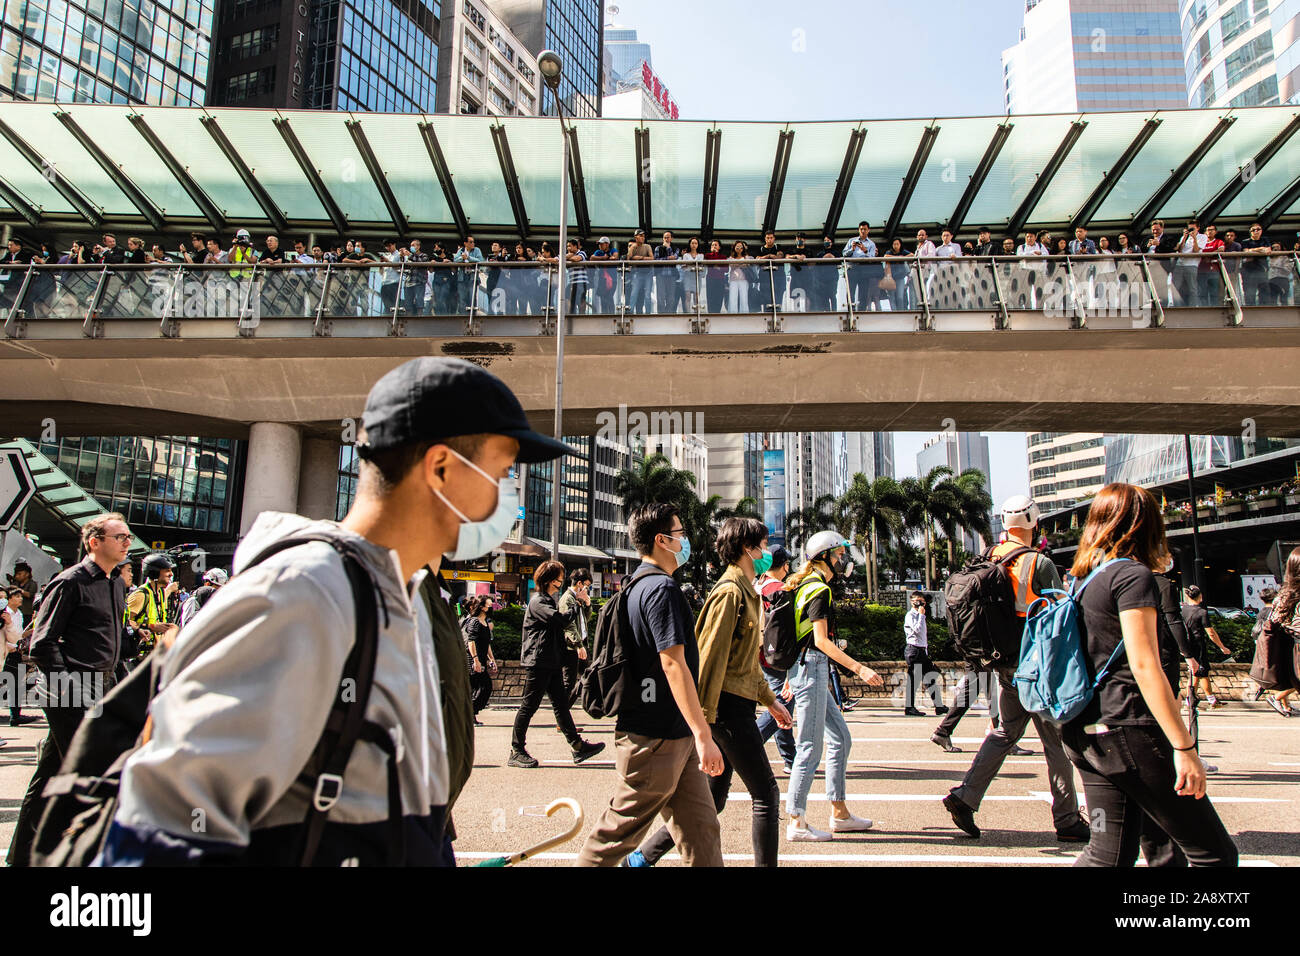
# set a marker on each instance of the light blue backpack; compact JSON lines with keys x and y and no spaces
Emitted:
{"x":1052,"y":679}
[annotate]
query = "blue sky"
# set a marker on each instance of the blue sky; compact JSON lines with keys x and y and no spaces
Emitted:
{"x":824,"y":60}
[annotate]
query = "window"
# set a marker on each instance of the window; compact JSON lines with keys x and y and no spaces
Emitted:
{"x":500,"y":100}
{"x":248,"y":85}
{"x":474,"y":47}
{"x":251,"y":44}
{"x":475,"y":17}
{"x":473,"y":74}
{"x":500,"y":72}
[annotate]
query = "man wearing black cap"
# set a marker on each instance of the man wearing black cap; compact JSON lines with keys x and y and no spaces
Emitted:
{"x":249,"y":685}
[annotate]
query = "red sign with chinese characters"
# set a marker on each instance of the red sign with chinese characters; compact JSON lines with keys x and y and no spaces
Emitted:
{"x":657,"y":90}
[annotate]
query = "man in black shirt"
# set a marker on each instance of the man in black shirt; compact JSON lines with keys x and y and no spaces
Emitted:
{"x":75,"y":645}
{"x":985,"y":246}
{"x":1254,"y":267}
{"x":661,"y":728}
{"x":1161,"y":243}
{"x":1196,"y":618}
{"x":668,"y":281}
{"x":775,"y":290}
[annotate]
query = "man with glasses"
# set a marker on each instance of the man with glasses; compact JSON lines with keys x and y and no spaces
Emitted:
{"x":75,"y":645}
{"x":1254,"y":267}
{"x":663,"y":747}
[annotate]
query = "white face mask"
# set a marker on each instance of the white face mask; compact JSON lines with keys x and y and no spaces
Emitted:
{"x":477,"y":538}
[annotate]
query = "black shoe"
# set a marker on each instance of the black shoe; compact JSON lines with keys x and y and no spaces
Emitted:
{"x":945,"y":743}
{"x":1076,"y":832}
{"x":22,"y":719}
{"x":962,"y":815}
{"x":521,"y":758}
{"x":586,"y":750}
{"x":912,"y":712}
{"x":940,"y":711}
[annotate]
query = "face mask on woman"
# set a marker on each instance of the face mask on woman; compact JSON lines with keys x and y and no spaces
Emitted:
{"x":763,"y":563}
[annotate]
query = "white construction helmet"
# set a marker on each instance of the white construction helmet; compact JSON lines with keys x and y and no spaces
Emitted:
{"x":1020,"y":511}
{"x":216,"y":577}
{"x":823,"y":541}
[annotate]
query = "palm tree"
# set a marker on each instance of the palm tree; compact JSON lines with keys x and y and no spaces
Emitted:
{"x":973,"y":505}
{"x":654,"y":480}
{"x":867,"y":506}
{"x":744,"y":508}
{"x":930,"y":501}
{"x":802,"y":523}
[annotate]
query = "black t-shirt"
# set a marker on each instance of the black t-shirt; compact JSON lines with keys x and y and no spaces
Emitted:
{"x":478,"y":632}
{"x":661,"y":620}
{"x":1123,"y":586}
{"x":772,"y":250}
{"x":1196,"y":619}
{"x":268,"y":255}
{"x":1254,"y":264}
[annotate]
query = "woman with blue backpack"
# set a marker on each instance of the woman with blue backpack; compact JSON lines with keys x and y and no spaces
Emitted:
{"x":1134,"y":754}
{"x":816,"y":715}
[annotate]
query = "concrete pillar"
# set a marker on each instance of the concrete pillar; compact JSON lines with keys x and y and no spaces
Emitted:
{"x":271,"y":479}
{"x":318,"y":478}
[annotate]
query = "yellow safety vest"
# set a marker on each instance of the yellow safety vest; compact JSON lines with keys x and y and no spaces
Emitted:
{"x":241,"y":254}
{"x":155,"y":608}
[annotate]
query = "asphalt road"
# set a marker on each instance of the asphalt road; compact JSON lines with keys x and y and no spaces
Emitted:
{"x":896,"y":777}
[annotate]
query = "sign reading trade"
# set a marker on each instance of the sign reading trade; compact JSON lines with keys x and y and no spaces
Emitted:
{"x":16,"y":486}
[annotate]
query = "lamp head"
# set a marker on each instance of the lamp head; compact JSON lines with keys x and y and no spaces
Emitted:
{"x":551,"y":66}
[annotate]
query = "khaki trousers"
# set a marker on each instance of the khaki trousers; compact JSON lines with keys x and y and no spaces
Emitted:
{"x":656,"y":777}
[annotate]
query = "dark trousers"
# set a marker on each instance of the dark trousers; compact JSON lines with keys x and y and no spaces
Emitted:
{"x":973,"y":682}
{"x":11,"y":667}
{"x":572,"y":670}
{"x":920,"y":669}
{"x":1128,"y":776}
{"x":736,"y":735}
{"x":866,"y":288}
{"x":544,"y":682}
{"x":767,"y":726}
{"x":63,"y":721}
{"x":480,"y":686}
{"x":715,"y":288}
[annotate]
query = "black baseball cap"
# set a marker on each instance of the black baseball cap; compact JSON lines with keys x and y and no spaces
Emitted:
{"x":780,"y":556}
{"x":433,"y":398}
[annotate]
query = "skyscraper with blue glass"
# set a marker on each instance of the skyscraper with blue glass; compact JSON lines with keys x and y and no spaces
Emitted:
{"x":575,"y":30}
{"x":151,"y":52}
{"x":377,"y":55}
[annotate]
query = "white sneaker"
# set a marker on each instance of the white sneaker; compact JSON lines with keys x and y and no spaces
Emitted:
{"x":806,"y":834}
{"x":851,"y":825}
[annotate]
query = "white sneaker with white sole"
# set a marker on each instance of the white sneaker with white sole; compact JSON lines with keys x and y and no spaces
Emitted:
{"x":806,"y":834}
{"x":851,"y":825}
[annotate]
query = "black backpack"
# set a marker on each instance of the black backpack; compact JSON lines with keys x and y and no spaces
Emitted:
{"x":603,"y":684}
{"x":82,"y":799}
{"x":782,"y":643}
{"x":982,"y":620}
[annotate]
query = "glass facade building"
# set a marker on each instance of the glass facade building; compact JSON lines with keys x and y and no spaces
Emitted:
{"x":175,"y":483}
{"x":1285,"y":22}
{"x":575,"y":30}
{"x":1229,"y":53}
{"x":365,"y":55}
{"x":106,"y":51}
{"x":1096,"y":56}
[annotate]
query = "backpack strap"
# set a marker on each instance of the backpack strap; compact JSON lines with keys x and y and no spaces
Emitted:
{"x":1076,"y":594}
{"x":346,"y":722}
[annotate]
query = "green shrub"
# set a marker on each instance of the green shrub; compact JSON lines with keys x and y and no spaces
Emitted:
{"x":1236,"y":634}
{"x":875,"y":631}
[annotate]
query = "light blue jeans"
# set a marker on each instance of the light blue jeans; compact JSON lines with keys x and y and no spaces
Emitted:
{"x":816,"y":718}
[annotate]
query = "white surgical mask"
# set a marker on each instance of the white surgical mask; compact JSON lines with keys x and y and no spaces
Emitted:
{"x":477,"y":538}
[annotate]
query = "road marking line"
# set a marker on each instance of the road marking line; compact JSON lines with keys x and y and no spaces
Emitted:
{"x":925,"y":797}
{"x":950,"y":859}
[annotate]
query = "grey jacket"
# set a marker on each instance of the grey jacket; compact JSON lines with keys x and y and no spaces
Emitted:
{"x":244,"y":696}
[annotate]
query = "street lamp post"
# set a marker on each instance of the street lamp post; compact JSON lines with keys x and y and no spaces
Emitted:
{"x":551,"y":67}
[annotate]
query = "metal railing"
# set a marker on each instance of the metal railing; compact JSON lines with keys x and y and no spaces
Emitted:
{"x":859,"y":293}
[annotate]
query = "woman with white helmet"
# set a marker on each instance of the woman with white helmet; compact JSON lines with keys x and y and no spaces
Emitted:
{"x":816,"y":715}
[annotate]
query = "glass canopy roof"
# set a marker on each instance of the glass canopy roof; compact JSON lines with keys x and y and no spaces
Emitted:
{"x":67,"y":168}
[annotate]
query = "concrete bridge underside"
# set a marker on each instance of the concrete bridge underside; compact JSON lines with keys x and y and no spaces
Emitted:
{"x":1203,"y":380}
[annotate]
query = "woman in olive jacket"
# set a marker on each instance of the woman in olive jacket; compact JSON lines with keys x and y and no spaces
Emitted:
{"x":730,"y":685}
{"x":542,"y":658}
